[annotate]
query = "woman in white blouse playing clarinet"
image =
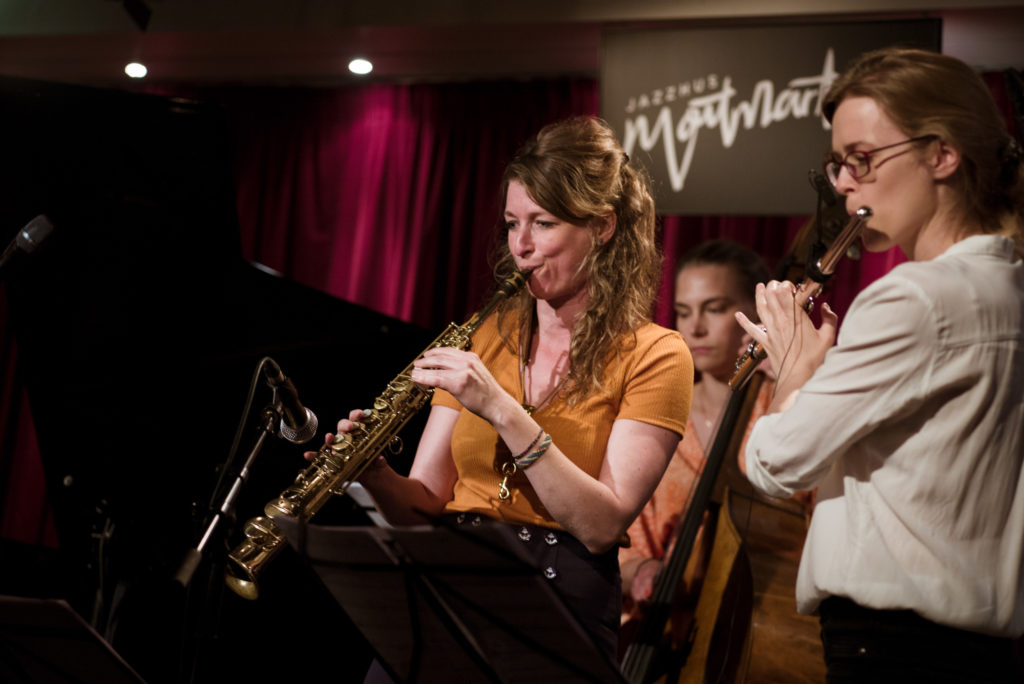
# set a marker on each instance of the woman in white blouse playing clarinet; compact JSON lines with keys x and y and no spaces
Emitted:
{"x":910,"y":424}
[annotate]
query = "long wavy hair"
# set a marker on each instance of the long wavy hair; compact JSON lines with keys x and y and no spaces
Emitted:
{"x":577,"y":170}
{"x":926,"y":93}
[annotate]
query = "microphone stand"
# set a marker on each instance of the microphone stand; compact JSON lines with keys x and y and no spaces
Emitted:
{"x":270,"y":418}
{"x":202,"y":606}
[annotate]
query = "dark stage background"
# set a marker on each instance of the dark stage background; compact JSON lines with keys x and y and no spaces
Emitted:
{"x":127,"y":344}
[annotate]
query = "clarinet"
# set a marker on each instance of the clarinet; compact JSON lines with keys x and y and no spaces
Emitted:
{"x":811,"y":286}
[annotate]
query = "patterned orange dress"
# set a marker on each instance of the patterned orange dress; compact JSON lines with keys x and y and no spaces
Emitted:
{"x":651,"y":533}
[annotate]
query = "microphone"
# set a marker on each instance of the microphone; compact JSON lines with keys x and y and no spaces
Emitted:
{"x":28,"y":239}
{"x":299,"y":423}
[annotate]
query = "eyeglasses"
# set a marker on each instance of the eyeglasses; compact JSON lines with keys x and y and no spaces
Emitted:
{"x":858,"y":163}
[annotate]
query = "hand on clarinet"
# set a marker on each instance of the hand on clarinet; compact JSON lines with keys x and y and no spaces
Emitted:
{"x":765,"y":366}
{"x":795,"y":347}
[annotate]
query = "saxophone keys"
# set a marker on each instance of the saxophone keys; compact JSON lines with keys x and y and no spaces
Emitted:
{"x":403,"y":383}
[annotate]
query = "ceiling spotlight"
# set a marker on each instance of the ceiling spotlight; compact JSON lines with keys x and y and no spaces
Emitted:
{"x":135,"y":70}
{"x":360,"y":66}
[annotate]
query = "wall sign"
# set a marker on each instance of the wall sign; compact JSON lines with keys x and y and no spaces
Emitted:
{"x":728,"y":120}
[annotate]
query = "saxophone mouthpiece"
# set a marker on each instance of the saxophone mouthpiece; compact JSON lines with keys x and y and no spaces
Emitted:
{"x":517,"y":282}
{"x":514,"y":283}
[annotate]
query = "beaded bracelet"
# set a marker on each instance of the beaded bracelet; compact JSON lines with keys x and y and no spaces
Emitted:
{"x":528,"y":449}
{"x":526,"y":461}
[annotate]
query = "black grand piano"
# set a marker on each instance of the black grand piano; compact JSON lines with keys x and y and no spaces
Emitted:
{"x":139,"y":326}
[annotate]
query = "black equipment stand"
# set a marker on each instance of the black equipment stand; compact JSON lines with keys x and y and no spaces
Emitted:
{"x":43,"y":641}
{"x":444,"y":604}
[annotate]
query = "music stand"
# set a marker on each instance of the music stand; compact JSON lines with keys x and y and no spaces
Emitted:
{"x":445,"y":604}
{"x":43,"y":641}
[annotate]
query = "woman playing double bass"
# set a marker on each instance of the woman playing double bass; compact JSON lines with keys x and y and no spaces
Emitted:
{"x":713,"y":282}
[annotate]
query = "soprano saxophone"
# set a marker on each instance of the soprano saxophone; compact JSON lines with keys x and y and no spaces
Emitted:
{"x":339,"y":464}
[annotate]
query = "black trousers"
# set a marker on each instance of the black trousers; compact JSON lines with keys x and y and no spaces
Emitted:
{"x":881,"y":646}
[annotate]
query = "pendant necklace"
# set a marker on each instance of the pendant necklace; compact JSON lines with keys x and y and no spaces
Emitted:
{"x":508,"y":469}
{"x":699,"y":412}
{"x":531,"y":408}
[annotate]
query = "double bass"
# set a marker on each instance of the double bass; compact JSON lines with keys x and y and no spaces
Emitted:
{"x":749,"y":575}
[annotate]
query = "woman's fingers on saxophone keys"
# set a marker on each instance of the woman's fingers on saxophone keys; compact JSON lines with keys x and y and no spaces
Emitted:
{"x":345,"y":425}
{"x":354,"y":416}
{"x":423,"y":377}
{"x":431,"y":368}
{"x":421,"y":369}
{"x":310,"y":455}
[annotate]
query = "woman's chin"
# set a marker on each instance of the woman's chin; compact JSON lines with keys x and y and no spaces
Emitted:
{"x":875,"y":241}
{"x":717,"y":369}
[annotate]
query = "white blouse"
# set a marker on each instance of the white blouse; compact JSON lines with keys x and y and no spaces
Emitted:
{"x":912,"y":430}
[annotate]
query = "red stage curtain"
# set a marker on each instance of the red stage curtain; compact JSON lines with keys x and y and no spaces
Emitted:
{"x":386,"y":195}
{"x":24,"y":514}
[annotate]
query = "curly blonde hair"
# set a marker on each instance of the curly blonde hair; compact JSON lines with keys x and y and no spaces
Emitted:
{"x":577,"y":170}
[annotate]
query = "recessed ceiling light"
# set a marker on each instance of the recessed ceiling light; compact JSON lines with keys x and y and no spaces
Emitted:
{"x":360,"y":66}
{"x":135,"y":70}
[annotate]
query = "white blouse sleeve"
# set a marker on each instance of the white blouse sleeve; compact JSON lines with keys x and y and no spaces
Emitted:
{"x":877,"y":371}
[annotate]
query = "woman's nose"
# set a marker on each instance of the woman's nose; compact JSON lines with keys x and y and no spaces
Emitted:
{"x":692,"y":327}
{"x":520,"y":243}
{"x":845,"y":182}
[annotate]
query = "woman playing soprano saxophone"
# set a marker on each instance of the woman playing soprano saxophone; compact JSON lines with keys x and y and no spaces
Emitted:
{"x":564,"y":415}
{"x":912,"y":423}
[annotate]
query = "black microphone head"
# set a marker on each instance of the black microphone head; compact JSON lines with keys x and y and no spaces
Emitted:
{"x":32,"y":235}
